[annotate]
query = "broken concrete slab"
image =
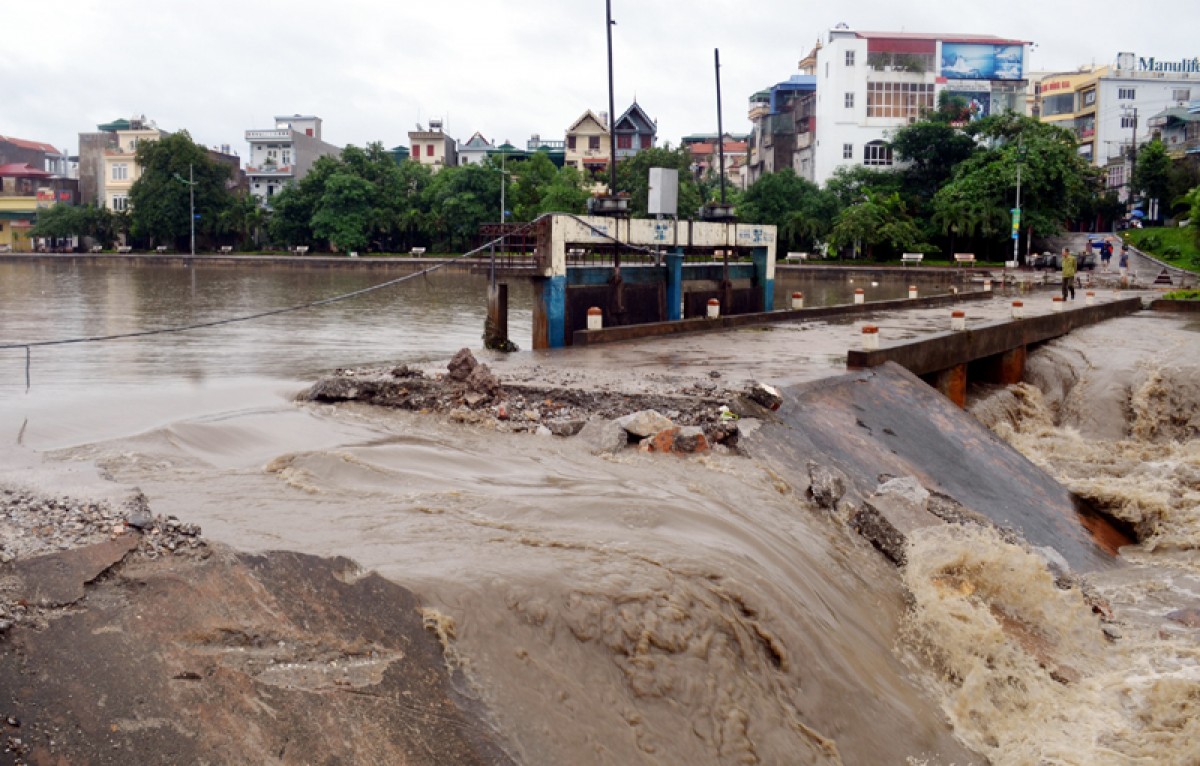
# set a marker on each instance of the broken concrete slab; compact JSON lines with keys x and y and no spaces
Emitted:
{"x":57,"y":579}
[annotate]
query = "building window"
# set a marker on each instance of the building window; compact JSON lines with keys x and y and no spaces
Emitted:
{"x":849,"y":58}
{"x":1181,"y":94}
{"x":826,"y":70}
{"x":120,"y":202}
{"x":847,"y":151}
{"x":1089,"y":98}
{"x":1126,"y":93}
{"x":593,"y":142}
{"x":849,"y":100}
{"x":120,"y":172}
{"x":901,"y":100}
{"x":647,"y":141}
{"x":287,"y":157}
{"x":1128,"y":121}
{"x":429,"y":150}
{"x":571,"y":142}
{"x":877,"y":153}
{"x":625,"y":141}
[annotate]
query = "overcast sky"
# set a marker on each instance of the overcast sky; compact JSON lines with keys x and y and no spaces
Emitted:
{"x":372,"y":69}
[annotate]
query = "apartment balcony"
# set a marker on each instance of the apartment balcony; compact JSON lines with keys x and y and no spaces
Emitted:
{"x":270,"y":171}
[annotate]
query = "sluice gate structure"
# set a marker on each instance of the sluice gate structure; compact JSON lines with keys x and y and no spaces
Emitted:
{"x":641,"y":271}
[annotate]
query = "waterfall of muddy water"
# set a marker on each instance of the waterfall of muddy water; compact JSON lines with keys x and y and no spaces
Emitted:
{"x":1026,"y":673}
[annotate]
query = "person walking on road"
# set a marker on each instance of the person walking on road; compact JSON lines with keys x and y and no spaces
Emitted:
{"x":1105,"y":254}
{"x":1123,"y":264}
{"x":1069,"y":267}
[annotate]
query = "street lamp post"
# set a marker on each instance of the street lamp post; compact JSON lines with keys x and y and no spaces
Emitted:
{"x":191,"y":184}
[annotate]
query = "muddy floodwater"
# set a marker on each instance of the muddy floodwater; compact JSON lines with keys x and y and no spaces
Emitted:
{"x":642,"y":608}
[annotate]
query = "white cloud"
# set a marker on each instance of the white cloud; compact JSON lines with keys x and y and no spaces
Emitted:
{"x":373,"y":69}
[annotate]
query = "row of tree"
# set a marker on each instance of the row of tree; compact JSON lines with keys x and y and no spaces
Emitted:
{"x":953,"y":187}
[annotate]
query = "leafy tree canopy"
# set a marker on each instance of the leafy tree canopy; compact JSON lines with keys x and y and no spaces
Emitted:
{"x":160,"y":196}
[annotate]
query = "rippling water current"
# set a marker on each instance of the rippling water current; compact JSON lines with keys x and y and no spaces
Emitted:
{"x":635,"y":609}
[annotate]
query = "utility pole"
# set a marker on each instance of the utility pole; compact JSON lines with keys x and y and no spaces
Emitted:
{"x":1016,"y":223}
{"x":192,"y":205}
{"x":720,"y":127}
{"x":612,"y":116}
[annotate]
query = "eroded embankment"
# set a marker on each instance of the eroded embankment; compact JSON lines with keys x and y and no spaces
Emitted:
{"x":127,"y":638}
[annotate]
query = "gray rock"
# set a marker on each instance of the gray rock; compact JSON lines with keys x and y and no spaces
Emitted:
{"x":690,"y":439}
{"x":644,"y":423}
{"x":543,"y":431}
{"x":137,"y":511}
{"x":1189,"y":617}
{"x":764,"y":395}
{"x":726,"y":432}
{"x":482,"y":381}
{"x":462,"y":365}
{"x":827,"y":485}
{"x":887,"y":518}
{"x":905,"y":490}
{"x":604,"y":437}
{"x":565,"y":427}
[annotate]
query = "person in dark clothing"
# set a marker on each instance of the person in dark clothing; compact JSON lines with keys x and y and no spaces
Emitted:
{"x":1105,"y":254}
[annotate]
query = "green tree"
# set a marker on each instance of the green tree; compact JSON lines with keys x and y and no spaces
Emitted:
{"x":1056,"y":183}
{"x":457,"y":201}
{"x":876,"y":219}
{"x":564,"y":194}
{"x":528,"y":181}
{"x":161,"y":208}
{"x":1152,"y":172}
{"x":633,"y":176}
{"x":931,"y":149}
{"x":801,"y":212}
{"x":344,"y":215}
{"x":63,"y":221}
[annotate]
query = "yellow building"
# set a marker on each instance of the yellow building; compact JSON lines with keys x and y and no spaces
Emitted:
{"x":589,"y":145}
{"x":120,"y":164}
{"x":23,"y":189}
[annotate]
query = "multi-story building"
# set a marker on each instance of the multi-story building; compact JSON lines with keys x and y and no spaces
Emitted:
{"x":433,"y":147}
{"x":634,"y":131}
{"x":120,"y":168}
{"x":869,"y":84}
{"x":1109,"y":108}
{"x":589,"y":146}
{"x":706,"y":158}
{"x":284,"y":154}
{"x":25,"y":190}
{"x":784,"y":131}
{"x":475,"y":150}
{"x":1179,"y":130}
{"x":38,"y":154}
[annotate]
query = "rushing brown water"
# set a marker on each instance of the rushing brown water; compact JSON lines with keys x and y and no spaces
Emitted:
{"x":641,"y":608}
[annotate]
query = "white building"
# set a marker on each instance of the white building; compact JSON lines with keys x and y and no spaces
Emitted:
{"x":284,"y":154}
{"x":869,"y":84}
{"x":475,"y":150}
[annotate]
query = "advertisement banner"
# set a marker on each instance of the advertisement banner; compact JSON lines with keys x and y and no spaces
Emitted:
{"x":973,"y":61}
{"x":979,"y":105}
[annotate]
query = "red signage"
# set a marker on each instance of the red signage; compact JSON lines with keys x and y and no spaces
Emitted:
{"x":1055,"y":85}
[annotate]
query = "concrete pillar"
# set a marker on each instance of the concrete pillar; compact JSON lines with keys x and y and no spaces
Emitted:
{"x":549,"y":312}
{"x":762,"y":279}
{"x":1011,"y":366}
{"x":952,"y":384}
{"x":675,"y":285}
{"x":495,"y":330}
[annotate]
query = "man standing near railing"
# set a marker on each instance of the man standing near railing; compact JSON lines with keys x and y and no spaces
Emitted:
{"x":1069,"y":267}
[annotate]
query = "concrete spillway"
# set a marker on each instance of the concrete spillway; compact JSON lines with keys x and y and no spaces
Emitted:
{"x":886,"y":421}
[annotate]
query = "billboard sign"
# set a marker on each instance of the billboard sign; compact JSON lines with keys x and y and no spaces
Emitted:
{"x":978,"y":103}
{"x":974,"y":61}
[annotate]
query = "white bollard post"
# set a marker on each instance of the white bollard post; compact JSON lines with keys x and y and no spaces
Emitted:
{"x":714,"y":308}
{"x":860,"y":296}
{"x":958,"y":320}
{"x":870,"y":337}
{"x":1058,"y":305}
{"x":1018,"y":309}
{"x":797,"y":300}
{"x":1090,"y":298}
{"x":595,"y":318}
{"x":987,"y":285}
{"x":912,"y":292}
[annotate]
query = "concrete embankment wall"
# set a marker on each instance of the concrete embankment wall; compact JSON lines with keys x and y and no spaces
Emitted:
{"x":403,"y":265}
{"x":684,"y":326}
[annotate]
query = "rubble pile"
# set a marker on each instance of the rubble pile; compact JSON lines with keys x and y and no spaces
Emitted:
{"x":690,"y":419}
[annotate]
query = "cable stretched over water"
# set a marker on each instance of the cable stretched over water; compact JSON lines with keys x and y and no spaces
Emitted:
{"x":258,"y":315}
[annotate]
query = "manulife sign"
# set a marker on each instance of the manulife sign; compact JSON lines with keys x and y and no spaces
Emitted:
{"x":1154,"y":65}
